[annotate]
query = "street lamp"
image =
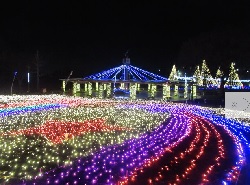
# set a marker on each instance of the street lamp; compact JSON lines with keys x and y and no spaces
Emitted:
{"x":13,"y":83}
{"x":28,"y":80}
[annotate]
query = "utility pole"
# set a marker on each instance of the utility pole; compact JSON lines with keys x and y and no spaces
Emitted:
{"x":13,"y":83}
{"x":68,"y":78}
{"x":37,"y":71}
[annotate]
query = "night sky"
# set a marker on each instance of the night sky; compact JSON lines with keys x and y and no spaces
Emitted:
{"x":87,"y":37}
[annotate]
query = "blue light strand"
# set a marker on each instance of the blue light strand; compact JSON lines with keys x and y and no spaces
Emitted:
{"x":116,"y":74}
{"x":140,"y":76}
{"x":154,"y":76}
{"x":105,"y":74}
{"x":134,"y":73}
{"x":22,"y":110}
{"x":119,"y":73}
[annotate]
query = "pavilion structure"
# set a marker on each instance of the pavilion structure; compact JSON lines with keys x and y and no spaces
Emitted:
{"x":125,"y":78}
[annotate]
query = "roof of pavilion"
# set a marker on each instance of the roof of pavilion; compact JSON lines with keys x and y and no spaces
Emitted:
{"x":122,"y":74}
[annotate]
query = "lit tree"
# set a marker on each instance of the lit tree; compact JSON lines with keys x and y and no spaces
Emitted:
{"x":197,"y":76}
{"x":233,"y":78}
{"x":173,"y":74}
{"x":218,"y":76}
{"x":205,"y":74}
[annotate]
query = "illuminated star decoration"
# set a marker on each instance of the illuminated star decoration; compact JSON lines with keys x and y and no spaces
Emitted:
{"x":57,"y":131}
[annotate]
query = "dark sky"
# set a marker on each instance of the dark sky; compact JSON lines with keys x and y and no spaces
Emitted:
{"x":89,"y":36}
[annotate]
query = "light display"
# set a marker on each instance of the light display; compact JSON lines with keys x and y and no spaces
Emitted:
{"x":105,"y":86}
{"x":218,"y":76}
{"x":108,"y":90}
{"x":133,"y":91}
{"x":185,"y":94}
{"x":74,"y":88}
{"x":166,"y":91}
{"x":206,"y":75}
{"x":78,"y":87}
{"x":100,"y":91}
{"x":126,"y":74}
{"x":138,"y":87}
{"x":85,"y":87}
{"x":233,"y":78}
{"x":149,"y":87}
{"x":122,"y":86}
{"x":173,"y":74}
{"x":197,"y":76}
{"x":135,"y":73}
{"x":176,"y":92}
{"x":96,"y":87}
{"x":90,"y":89}
{"x":122,"y":76}
{"x":57,"y":131}
{"x":153,"y":90}
{"x":194,"y":91}
{"x":63,"y":85}
{"x":71,"y":140}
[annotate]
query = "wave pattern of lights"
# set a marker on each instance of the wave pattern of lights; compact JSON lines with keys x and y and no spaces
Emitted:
{"x":241,"y":133}
{"x":21,"y":110}
{"x":191,"y":162}
{"x":112,"y":163}
{"x":24,"y":156}
{"x":193,"y":146}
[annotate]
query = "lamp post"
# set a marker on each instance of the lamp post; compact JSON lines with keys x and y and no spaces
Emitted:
{"x":28,"y":80}
{"x":13,"y":83}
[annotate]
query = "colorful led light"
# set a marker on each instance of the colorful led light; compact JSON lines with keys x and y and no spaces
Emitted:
{"x":117,"y":142}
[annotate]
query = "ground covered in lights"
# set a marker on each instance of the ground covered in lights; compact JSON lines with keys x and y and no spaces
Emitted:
{"x":54,"y":139}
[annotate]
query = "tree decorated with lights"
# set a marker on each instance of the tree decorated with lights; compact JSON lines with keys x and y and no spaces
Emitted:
{"x":218,"y":76}
{"x":197,"y":76}
{"x":173,"y":77}
{"x":233,"y":77}
{"x":205,"y":74}
{"x":173,"y":74}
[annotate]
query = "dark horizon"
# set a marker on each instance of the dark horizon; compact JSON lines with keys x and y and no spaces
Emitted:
{"x":90,"y":37}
